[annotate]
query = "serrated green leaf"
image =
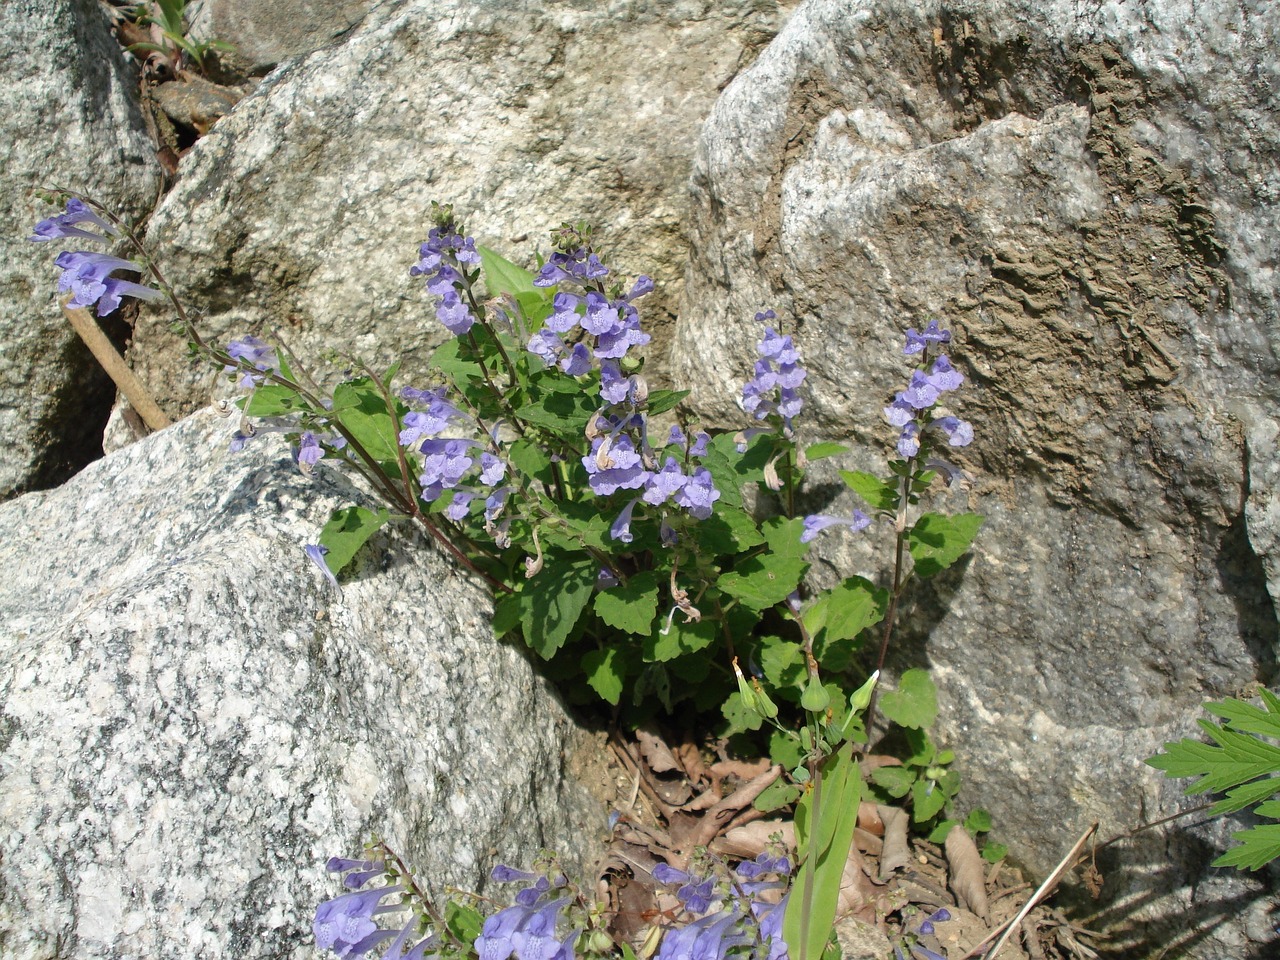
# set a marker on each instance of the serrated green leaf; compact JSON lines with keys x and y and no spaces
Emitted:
{"x":776,"y":796}
{"x":465,"y":922}
{"x":764,"y":580}
{"x":1249,"y":718}
{"x":939,"y":833}
{"x":531,"y":459}
{"x":783,"y":537}
{"x":730,"y":469}
{"x":660,"y":401}
{"x":785,"y":749}
{"x":274,"y":400}
{"x":1237,"y":759}
{"x":978,"y":821}
{"x":820,"y":451}
{"x":1245,"y":795}
{"x":877,"y":494}
{"x":844,"y":611}
{"x":552,"y":601}
{"x":564,"y":414}
{"x":896,"y":781}
{"x":506,"y":613}
{"x":782,"y":662}
{"x":927,"y":801}
{"x":347,"y":531}
{"x":606,"y":673}
{"x":1258,"y":846}
{"x":503,"y":276}
{"x":449,"y":359}
{"x":741,"y":717}
{"x":914,"y":703}
{"x":730,"y":532}
{"x":680,"y":638}
{"x":630,"y":606}
{"x":937,"y":541}
{"x":994,"y":852}
{"x":360,"y":408}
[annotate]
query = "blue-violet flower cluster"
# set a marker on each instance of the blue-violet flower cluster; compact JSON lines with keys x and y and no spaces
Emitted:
{"x":748,"y":912}
{"x":87,"y":276}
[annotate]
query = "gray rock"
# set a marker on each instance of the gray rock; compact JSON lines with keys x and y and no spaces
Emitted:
{"x":67,"y":118}
{"x":266,"y":32}
{"x":193,"y":720}
{"x":303,"y":209}
{"x":1087,"y":196}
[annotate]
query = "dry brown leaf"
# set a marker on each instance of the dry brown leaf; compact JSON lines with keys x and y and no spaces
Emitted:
{"x":656,"y":753}
{"x":896,"y":853}
{"x":867,"y":842}
{"x":740,"y":769}
{"x":968,"y":876}
{"x":752,"y":839}
{"x":857,"y":893}
{"x":690,"y":758}
{"x":869,"y":818}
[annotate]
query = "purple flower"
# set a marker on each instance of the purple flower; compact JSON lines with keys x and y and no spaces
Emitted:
{"x":502,"y":873}
{"x":341,"y":924}
{"x":816,"y":523}
{"x":461,"y":504}
{"x":63,"y":226}
{"x":676,"y":437}
{"x":698,"y":494}
{"x":614,"y":464}
{"x":578,"y":362}
{"x":917,"y":342}
{"x":777,"y":369}
{"x":496,"y":940}
{"x":252,"y":352}
{"x":959,"y":432}
{"x":492,"y":470}
{"x":909,"y":440}
{"x":309,"y":451}
{"x":621,"y":527}
{"x":445,"y":462}
{"x":566,"y":315}
{"x":943,"y":376}
{"x":535,"y":939}
{"x":85,"y":275}
{"x":454,"y":314}
{"x":315,"y":553}
{"x":921,"y":393}
{"x":664,"y":484}
{"x":700,"y":441}
{"x":606,"y":579}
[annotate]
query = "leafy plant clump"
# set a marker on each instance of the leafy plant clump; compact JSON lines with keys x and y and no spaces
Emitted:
{"x":623,"y":550}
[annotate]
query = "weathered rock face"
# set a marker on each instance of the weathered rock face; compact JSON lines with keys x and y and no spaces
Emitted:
{"x":302,"y":210}
{"x":67,"y":118}
{"x":265,"y":32}
{"x":193,"y":720}
{"x":1087,"y":197}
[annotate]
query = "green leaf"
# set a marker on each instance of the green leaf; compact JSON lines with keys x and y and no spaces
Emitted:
{"x":824,"y":836}
{"x":783,"y":537}
{"x":347,"y":531}
{"x":506,"y":613}
{"x":552,"y":601}
{"x":741,"y":716}
{"x":1237,"y":758}
{"x":360,"y":408}
{"x":914,"y":703}
{"x":730,"y":469}
{"x":844,"y":611}
{"x":274,"y":400}
{"x":994,"y":852}
{"x":730,"y":532}
{"x":820,"y":451}
{"x":681,"y":638}
{"x":939,"y":833}
{"x":937,"y":541}
{"x":764,"y":580}
{"x":1258,"y":846}
{"x":465,"y":922}
{"x":1245,"y":795}
{"x":448,"y":358}
{"x":531,"y":459}
{"x":978,"y":821}
{"x":896,"y":781}
{"x":927,"y":801}
{"x":503,"y":276}
{"x":785,"y":749}
{"x":1248,"y":718}
{"x":782,"y":662}
{"x":877,"y":494}
{"x":660,"y":401}
{"x":605,"y":672}
{"x":777,"y":795}
{"x":564,"y":414}
{"x":630,"y":606}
